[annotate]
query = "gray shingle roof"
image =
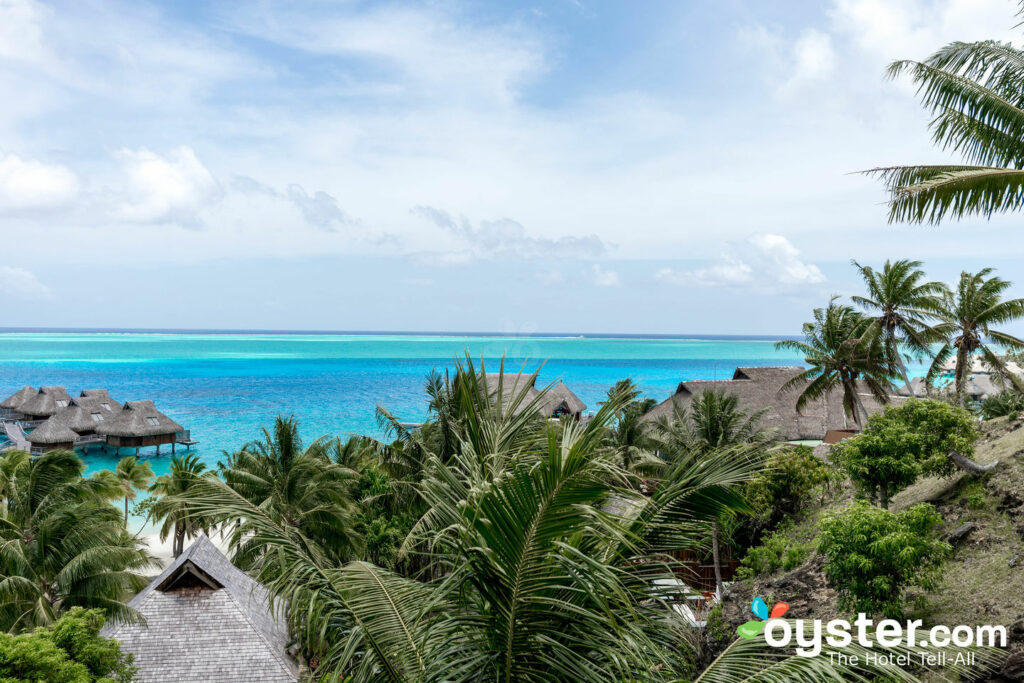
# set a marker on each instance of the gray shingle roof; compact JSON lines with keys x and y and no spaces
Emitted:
{"x":195,"y":633}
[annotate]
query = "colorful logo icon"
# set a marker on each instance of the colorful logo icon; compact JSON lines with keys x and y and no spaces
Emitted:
{"x":759,"y":607}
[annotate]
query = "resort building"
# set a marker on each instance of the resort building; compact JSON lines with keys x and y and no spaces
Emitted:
{"x":48,"y":418}
{"x":9,"y":407}
{"x":762,"y":387}
{"x":51,"y":435}
{"x":140,"y":424}
{"x":553,"y":402}
{"x":46,"y":402}
{"x":206,"y":620}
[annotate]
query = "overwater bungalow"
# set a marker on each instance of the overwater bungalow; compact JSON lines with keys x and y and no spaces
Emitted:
{"x":46,"y":402}
{"x":10,"y":406}
{"x":51,"y":435}
{"x":206,"y":620}
{"x":86,"y":413}
{"x":140,"y":424}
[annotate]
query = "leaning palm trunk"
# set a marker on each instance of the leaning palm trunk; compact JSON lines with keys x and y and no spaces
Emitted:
{"x":899,"y":364}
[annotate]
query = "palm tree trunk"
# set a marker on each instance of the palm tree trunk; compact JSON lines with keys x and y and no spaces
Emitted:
{"x":716,"y":558}
{"x":126,"y":512}
{"x":903,"y":371}
{"x":961,"y":375}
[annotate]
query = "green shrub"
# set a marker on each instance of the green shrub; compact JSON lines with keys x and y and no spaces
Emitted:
{"x":71,"y":650}
{"x":778,"y":552}
{"x":789,"y":480}
{"x":1005,"y":403}
{"x":903,"y":442}
{"x":872,"y":555}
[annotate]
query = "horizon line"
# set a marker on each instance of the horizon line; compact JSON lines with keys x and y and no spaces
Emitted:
{"x":367,"y":333}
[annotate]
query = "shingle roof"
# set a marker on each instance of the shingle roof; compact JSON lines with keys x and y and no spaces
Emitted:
{"x":14,"y":401}
{"x":52,"y":431}
{"x":139,"y":418}
{"x":198,"y":633}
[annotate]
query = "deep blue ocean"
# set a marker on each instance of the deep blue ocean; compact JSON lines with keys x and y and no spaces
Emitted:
{"x":224,"y":387}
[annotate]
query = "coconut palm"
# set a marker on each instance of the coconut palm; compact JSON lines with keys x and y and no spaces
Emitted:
{"x":132,"y":476}
{"x":966,"y":322}
{"x":901,"y":304}
{"x":628,"y":436}
{"x":299,"y":484}
{"x":62,"y":544}
{"x":714,"y":422}
{"x":975,"y":92}
{"x":538,"y":580}
{"x":845,"y":351}
{"x":172,"y":508}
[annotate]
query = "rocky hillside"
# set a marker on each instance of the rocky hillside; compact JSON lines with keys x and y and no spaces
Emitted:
{"x":983,"y":580}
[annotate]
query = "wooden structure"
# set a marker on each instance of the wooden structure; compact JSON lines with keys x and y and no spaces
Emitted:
{"x":10,"y":406}
{"x":51,"y":435}
{"x":140,"y":424}
{"x":45,"y":403}
{"x":206,"y":620}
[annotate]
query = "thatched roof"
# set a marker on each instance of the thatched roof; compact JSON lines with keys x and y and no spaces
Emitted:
{"x":761,"y":387}
{"x":560,"y":397}
{"x":14,"y":401}
{"x":50,"y":432}
{"x":46,"y":402}
{"x":548,"y":401}
{"x":86,"y":413}
{"x":95,"y":393}
{"x":206,"y":620}
{"x":139,"y":418}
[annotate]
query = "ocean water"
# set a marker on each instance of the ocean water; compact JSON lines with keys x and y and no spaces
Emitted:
{"x":224,"y":387}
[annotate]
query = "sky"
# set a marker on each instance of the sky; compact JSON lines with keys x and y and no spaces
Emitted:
{"x":560,"y":166}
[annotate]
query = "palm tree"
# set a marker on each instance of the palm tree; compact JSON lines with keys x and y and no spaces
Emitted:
{"x":714,"y":422}
{"x":300,"y":485}
{"x":844,"y":349}
{"x":172,"y":507}
{"x":536,"y":580}
{"x":974,"y":92}
{"x":903,"y":303}
{"x":132,"y":476}
{"x":628,"y":436}
{"x":966,"y":320}
{"x":62,"y":544}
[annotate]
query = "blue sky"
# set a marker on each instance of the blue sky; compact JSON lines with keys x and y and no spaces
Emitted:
{"x":564,"y":166}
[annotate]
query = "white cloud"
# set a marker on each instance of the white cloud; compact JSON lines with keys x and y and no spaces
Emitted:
{"x":171,"y":188}
{"x":604,"y":278}
{"x":507,"y":239}
{"x":27,"y":184}
{"x":766,"y":262}
{"x":21,"y":284}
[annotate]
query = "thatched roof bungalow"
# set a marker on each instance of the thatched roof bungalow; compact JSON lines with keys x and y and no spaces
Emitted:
{"x":52,"y":435}
{"x":761,"y":387}
{"x":206,"y":620}
{"x":10,"y":406}
{"x":86,"y":413}
{"x":553,"y":402}
{"x":139,"y":424}
{"x":46,"y":402}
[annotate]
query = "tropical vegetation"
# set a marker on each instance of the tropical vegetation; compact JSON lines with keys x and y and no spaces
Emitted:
{"x":873,"y":555}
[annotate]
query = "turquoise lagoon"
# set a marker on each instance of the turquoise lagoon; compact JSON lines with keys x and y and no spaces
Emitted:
{"x":224,"y":387}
